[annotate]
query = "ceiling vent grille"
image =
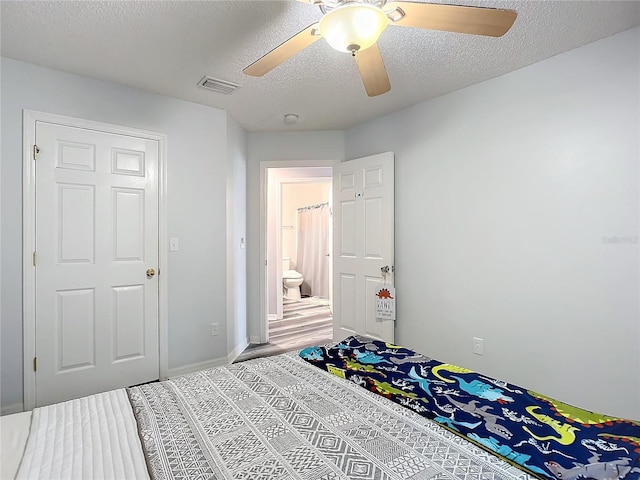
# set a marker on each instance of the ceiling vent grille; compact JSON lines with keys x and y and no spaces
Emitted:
{"x":217,"y":85}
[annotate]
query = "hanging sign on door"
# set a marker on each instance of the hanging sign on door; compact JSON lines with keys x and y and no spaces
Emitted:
{"x":385,"y":301}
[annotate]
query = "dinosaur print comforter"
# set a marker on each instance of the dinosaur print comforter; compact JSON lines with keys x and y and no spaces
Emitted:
{"x":544,"y":437}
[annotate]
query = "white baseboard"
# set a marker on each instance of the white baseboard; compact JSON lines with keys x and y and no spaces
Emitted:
{"x":216,"y":362}
{"x":272,"y":316}
{"x":235,"y":353}
{"x":254,"y":340}
{"x":14,"y":408}
{"x":195,"y":367}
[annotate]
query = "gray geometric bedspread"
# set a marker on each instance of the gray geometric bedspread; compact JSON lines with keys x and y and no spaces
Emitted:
{"x":281,"y":418}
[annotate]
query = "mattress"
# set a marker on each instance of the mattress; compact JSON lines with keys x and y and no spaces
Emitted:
{"x":264,"y":419}
{"x":93,"y":437}
{"x":281,"y":418}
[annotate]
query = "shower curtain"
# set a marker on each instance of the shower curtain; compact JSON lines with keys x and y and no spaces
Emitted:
{"x":313,"y":250}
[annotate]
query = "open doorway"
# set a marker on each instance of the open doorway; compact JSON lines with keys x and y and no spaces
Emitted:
{"x":297,"y":242}
{"x":302,"y":310}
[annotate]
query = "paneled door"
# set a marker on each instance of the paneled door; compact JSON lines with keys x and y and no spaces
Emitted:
{"x":96,"y":279}
{"x":363,"y":199}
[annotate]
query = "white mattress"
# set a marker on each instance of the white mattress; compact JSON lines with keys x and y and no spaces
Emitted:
{"x":14,"y":430}
{"x":92,"y":437}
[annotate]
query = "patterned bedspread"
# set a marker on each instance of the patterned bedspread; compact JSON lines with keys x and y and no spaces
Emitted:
{"x":544,"y":437}
{"x":282,"y":418}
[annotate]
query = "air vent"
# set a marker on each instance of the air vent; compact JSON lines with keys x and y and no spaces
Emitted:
{"x":217,"y":85}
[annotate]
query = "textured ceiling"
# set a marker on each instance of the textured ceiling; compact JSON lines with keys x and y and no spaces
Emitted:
{"x":167,"y":46}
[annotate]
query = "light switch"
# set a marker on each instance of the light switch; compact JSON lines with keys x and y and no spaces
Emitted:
{"x":242,"y":243}
{"x":174,"y":245}
{"x":478,"y":346}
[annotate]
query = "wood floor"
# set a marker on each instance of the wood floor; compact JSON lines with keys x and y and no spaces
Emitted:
{"x":305,"y":322}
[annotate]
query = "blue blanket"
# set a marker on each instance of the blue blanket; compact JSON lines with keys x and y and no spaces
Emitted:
{"x":544,"y":437}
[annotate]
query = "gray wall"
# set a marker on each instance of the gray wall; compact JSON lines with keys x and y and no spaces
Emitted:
{"x":508,"y":196}
{"x":197,"y":203}
{"x":299,"y":146}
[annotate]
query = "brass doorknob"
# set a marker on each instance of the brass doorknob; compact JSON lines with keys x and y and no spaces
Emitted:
{"x":150,"y":273}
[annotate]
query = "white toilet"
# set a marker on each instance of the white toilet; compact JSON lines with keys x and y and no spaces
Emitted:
{"x":291,"y":280}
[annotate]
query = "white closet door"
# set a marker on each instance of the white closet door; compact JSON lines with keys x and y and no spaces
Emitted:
{"x":96,"y":238}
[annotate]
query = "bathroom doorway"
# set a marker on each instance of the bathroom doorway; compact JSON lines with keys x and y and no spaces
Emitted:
{"x":305,"y":239}
{"x":297,"y":311}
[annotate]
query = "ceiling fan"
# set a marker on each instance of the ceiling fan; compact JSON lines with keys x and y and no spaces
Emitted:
{"x":354,"y":26}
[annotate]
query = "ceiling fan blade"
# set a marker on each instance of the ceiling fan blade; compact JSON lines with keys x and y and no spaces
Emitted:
{"x":371,"y":67}
{"x":284,"y":51}
{"x":492,"y":22}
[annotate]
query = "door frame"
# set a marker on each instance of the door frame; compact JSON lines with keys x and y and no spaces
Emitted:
{"x":29,"y":119}
{"x":263,"y":332}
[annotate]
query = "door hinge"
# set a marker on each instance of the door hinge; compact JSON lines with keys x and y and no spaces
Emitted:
{"x":35,"y":364}
{"x":35,"y":258}
{"x":36,"y":151}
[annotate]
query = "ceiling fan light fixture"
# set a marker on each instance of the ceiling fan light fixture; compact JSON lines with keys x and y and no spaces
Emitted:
{"x":353,"y":27}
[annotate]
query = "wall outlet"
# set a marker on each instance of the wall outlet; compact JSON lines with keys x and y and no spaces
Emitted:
{"x":174,"y":244}
{"x":478,"y":346}
{"x":214,"y":329}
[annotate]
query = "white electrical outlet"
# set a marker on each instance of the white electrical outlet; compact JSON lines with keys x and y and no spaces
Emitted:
{"x":478,"y":346}
{"x":214,"y":329}
{"x":174,"y":244}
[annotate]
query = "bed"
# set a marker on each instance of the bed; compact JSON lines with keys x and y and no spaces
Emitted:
{"x":284,"y":417}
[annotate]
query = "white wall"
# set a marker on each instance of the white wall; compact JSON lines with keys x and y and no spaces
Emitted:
{"x":197,"y":203}
{"x":507,"y":194}
{"x":297,"y":147}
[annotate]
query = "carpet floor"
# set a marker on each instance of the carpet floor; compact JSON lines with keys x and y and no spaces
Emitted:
{"x":305,"y":322}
